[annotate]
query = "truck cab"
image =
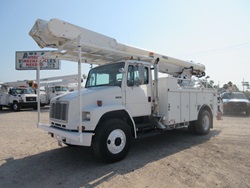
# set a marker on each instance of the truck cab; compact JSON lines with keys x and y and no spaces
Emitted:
{"x":136,"y":91}
{"x":109,"y":89}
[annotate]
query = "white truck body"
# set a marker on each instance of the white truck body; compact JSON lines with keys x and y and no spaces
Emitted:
{"x":122,"y":98}
{"x":16,"y":95}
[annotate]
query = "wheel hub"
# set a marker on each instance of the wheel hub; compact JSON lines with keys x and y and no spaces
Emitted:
{"x":116,"y":141}
{"x":205,"y":122}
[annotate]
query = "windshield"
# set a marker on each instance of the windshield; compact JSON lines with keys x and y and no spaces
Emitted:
{"x":61,"y":88}
{"x":107,"y":75}
{"x":23,"y":91}
{"x":233,"y":96}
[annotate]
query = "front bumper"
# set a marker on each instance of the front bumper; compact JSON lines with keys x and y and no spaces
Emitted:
{"x":28,"y":104}
{"x":69,"y":137}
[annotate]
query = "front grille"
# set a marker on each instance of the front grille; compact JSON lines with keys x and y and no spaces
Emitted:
{"x":31,"y":99}
{"x":237,"y":104}
{"x":59,"y":110}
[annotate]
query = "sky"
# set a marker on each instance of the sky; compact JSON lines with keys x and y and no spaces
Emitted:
{"x":215,"y":33}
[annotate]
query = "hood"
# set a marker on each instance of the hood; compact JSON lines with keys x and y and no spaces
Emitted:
{"x":107,"y":94}
{"x":27,"y":95}
{"x":236,"y":100}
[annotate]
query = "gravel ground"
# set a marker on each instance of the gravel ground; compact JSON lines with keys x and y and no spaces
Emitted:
{"x":30,"y":158}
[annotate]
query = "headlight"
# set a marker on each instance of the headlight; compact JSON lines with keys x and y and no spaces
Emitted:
{"x":86,"y":116}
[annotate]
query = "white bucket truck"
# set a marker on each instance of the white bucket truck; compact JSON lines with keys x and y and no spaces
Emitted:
{"x":55,"y":86}
{"x":17,"y":95}
{"x":123,"y":97}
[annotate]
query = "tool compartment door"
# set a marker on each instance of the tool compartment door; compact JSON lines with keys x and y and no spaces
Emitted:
{"x":174,"y":110}
{"x":185,"y":106}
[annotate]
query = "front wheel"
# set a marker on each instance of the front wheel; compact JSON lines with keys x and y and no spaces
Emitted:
{"x":247,"y":112}
{"x":204,"y":122}
{"x":112,"y":140}
{"x":16,"y":107}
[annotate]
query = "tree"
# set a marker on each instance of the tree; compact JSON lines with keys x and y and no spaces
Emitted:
{"x":225,"y":86}
{"x":245,"y":84}
{"x":230,"y":86}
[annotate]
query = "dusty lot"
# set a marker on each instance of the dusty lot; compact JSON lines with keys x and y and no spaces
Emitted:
{"x":30,"y":158}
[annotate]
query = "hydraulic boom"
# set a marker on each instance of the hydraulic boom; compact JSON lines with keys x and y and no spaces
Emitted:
{"x":100,"y":49}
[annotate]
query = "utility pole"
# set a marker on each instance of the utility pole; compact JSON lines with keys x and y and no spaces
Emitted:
{"x":245,"y":84}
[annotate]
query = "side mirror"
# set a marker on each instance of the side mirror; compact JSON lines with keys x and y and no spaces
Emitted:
{"x":122,"y":70}
{"x":84,"y":76}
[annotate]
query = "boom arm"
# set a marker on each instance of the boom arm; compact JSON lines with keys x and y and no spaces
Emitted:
{"x":57,"y":80}
{"x":100,"y":49}
{"x":16,"y":84}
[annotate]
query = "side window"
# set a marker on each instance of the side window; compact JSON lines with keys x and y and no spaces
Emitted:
{"x":133,"y":76}
{"x":130,"y":76}
{"x":146,"y":75}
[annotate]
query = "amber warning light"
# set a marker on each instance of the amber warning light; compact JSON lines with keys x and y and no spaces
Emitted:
{"x":99,"y":103}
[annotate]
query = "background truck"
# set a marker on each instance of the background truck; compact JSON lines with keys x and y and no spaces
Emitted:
{"x":124,"y":98}
{"x":54,"y":86}
{"x":17,"y":95}
{"x":235,"y":102}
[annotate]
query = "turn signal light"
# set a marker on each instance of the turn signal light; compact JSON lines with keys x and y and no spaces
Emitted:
{"x":82,"y":128}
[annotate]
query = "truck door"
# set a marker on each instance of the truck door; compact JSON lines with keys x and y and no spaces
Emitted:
{"x":137,"y":93}
{"x":12,"y":95}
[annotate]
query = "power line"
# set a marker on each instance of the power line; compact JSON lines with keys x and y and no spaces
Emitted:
{"x":222,"y":50}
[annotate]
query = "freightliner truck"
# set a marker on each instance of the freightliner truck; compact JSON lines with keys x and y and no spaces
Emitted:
{"x":124,"y":97}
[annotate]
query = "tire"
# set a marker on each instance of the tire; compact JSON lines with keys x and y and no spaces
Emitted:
{"x":16,"y":107}
{"x":112,"y":140}
{"x":204,"y":122}
{"x":1,"y":107}
{"x":247,"y":112}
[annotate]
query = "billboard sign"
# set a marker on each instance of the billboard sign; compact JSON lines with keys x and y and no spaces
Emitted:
{"x":27,"y":60}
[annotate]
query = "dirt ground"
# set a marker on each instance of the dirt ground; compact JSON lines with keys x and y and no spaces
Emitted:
{"x":30,"y":158}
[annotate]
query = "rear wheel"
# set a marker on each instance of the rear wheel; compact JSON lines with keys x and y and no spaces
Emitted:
{"x":112,"y":140}
{"x":204,"y":122}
